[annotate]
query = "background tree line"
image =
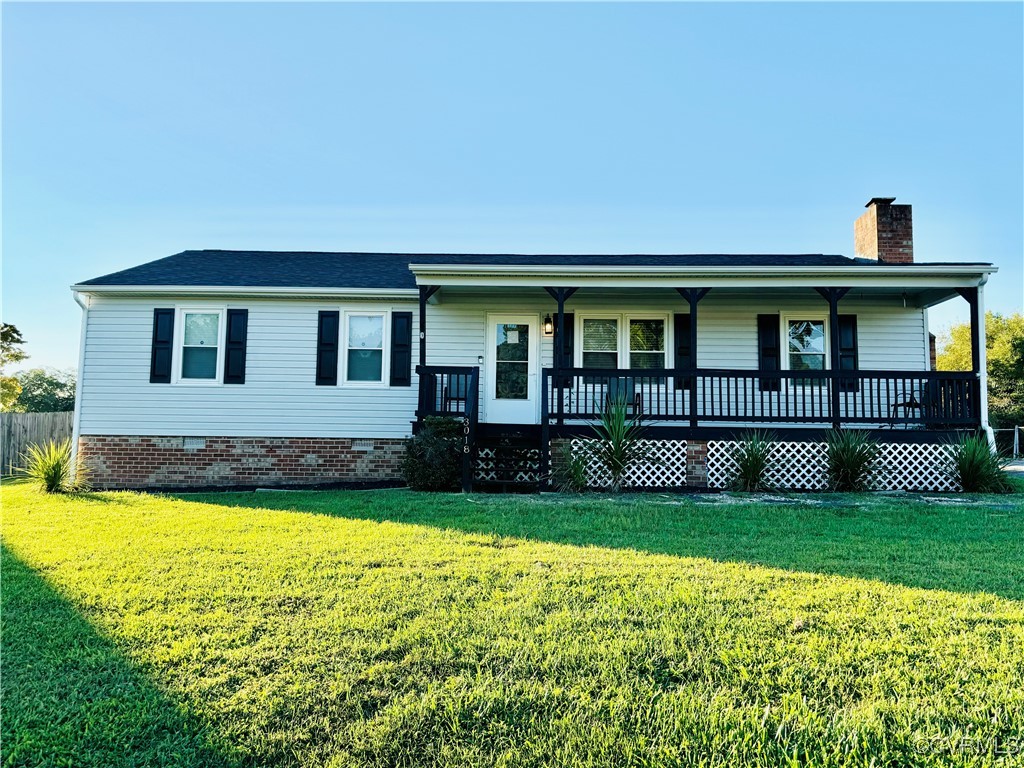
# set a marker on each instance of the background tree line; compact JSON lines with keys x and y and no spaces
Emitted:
{"x":37,"y":390}
{"x":1004,"y":347}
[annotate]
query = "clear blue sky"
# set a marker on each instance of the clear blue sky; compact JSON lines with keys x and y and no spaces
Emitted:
{"x":131,"y":132}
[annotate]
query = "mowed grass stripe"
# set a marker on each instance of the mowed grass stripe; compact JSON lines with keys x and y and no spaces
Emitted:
{"x":392,"y":628}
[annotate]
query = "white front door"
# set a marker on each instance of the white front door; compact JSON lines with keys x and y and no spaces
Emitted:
{"x":511,"y":386}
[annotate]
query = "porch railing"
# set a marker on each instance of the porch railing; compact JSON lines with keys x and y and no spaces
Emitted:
{"x":925,"y":399}
{"x":445,"y":390}
{"x":454,"y":392}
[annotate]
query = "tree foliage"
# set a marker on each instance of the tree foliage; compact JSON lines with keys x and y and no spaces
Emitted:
{"x":45,"y":390}
{"x":11,"y":342}
{"x":1004,"y":348}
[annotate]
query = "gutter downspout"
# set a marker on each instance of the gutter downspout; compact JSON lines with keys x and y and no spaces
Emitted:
{"x":76,"y":429}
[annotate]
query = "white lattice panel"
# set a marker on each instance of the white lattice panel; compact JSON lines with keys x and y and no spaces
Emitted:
{"x":913,"y":467}
{"x":801,"y":466}
{"x":666,"y":470}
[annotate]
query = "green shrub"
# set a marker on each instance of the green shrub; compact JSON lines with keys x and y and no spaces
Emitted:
{"x":850,"y":457}
{"x":433,"y":457}
{"x":975,"y":467}
{"x":620,"y":442}
{"x":570,"y":473}
{"x":50,"y":467}
{"x":753,"y":457}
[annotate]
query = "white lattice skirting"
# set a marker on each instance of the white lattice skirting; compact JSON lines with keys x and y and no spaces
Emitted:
{"x":801,"y":466}
{"x":666,"y":470}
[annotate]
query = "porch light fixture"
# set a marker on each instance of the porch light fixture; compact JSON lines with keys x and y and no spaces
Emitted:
{"x":549,"y":327}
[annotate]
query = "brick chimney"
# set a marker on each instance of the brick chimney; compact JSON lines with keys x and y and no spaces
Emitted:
{"x":885,"y":232}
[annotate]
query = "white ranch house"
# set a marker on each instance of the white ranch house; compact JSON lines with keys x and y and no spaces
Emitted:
{"x":224,"y":368}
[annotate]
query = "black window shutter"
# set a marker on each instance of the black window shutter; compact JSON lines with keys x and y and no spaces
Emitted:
{"x":327,"y":348}
{"x":163,"y":347}
{"x":848,"y":351}
{"x":234,"y":347}
{"x":769,"y":351}
{"x":570,"y":340}
{"x":401,"y":349}
{"x":683,"y":352}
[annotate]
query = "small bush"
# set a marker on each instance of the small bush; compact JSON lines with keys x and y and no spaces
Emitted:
{"x":975,"y":467}
{"x":570,"y":474}
{"x":49,"y":466}
{"x":433,"y":457}
{"x":850,"y":456}
{"x":753,"y":457}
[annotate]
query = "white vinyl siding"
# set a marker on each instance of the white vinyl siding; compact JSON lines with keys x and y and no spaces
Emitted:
{"x":280,"y":399}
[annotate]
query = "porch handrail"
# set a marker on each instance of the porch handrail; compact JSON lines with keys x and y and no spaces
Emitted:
{"x":934,"y":399}
{"x":444,"y":389}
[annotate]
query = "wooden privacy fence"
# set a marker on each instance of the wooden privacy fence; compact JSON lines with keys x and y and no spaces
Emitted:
{"x":20,"y":430}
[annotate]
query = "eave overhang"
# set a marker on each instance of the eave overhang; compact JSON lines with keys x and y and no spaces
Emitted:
{"x":248,"y":291}
{"x":918,"y":276}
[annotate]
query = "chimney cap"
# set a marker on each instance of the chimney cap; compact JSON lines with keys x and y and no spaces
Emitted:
{"x":880,"y":201}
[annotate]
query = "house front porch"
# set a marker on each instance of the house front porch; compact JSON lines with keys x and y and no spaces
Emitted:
{"x":693,"y":418}
{"x":795,"y":349}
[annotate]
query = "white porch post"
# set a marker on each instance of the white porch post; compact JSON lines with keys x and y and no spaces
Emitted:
{"x":982,"y":358}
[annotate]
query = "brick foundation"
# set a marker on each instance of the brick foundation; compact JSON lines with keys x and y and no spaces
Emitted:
{"x":121,"y":461}
{"x":697,"y":463}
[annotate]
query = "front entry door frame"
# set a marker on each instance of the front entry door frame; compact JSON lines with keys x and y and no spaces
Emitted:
{"x":526,"y":411}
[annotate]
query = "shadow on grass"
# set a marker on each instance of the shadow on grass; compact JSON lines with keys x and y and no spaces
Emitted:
{"x":961,"y":547}
{"x":69,"y":697}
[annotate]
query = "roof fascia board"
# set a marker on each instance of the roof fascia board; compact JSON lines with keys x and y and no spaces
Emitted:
{"x":811,"y":278}
{"x":248,"y":290}
{"x":632,"y":270}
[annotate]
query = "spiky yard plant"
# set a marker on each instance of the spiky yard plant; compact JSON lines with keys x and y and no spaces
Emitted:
{"x":570,"y":475}
{"x":753,"y":457}
{"x":851,"y":456}
{"x":50,"y":467}
{"x":972,"y":464}
{"x":620,"y":444}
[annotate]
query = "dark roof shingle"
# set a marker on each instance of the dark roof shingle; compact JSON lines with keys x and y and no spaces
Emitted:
{"x":305,"y":269}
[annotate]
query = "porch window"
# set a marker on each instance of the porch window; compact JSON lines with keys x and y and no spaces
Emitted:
{"x":646,"y":343}
{"x":200,"y":346}
{"x":364,"y":348}
{"x":623,"y":341}
{"x":806,"y":347}
{"x":600,"y":343}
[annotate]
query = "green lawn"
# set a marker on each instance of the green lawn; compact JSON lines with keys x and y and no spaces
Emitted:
{"x":390,"y":628}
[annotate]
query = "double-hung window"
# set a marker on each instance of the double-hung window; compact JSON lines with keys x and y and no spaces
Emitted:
{"x":638,"y":343}
{"x":600,"y":342}
{"x":201,"y":345}
{"x":364,"y":347}
{"x":806,"y":345}
{"x":646,"y":343}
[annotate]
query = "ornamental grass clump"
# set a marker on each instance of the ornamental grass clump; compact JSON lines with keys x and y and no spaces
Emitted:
{"x":972,"y":464}
{"x":620,"y":444}
{"x":51,"y":468}
{"x":571,"y":471}
{"x":753,"y":457}
{"x":851,"y":456}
